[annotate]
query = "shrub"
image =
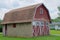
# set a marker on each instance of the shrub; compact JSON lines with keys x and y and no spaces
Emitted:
{"x":52,"y":29}
{"x":1,"y":28}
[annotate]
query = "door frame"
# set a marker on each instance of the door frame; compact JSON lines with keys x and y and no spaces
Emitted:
{"x":5,"y":29}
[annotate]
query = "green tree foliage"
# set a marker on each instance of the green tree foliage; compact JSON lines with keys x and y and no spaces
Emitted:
{"x":59,"y":11}
{"x":55,"y":20}
{"x":0,"y":26}
{"x":59,"y":8}
{"x":58,"y":18}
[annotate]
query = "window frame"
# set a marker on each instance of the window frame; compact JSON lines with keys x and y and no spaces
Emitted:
{"x":41,"y":23}
{"x":41,"y":11}
{"x":14,"y":25}
{"x":47,"y":23}
{"x":38,"y":23}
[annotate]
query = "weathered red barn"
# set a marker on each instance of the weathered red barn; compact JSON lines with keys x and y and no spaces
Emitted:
{"x":27,"y":21}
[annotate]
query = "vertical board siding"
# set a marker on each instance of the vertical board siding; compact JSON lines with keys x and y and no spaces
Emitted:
{"x":40,"y":30}
{"x":21,"y":30}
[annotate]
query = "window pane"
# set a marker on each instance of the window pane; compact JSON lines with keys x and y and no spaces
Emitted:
{"x":14,"y":25}
{"x":33,"y":23}
{"x":37,"y":23}
{"x":41,"y":11}
{"x":41,"y":23}
{"x":47,"y":23}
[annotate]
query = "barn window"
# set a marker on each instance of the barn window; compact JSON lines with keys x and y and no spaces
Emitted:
{"x":47,"y":23}
{"x":5,"y":25}
{"x":41,"y":23}
{"x":33,"y":23}
{"x":37,"y":23}
{"x":41,"y":11}
{"x":14,"y":25}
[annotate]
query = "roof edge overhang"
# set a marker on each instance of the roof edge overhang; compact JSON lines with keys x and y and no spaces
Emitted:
{"x":12,"y":22}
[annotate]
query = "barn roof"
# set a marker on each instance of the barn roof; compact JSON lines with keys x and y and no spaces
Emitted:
{"x":20,"y":15}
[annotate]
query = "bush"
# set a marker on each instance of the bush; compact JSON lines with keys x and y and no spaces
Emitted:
{"x":1,"y":28}
{"x":52,"y":28}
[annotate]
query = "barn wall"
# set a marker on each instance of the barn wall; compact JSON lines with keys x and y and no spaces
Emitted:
{"x":21,"y":30}
{"x":41,"y":16}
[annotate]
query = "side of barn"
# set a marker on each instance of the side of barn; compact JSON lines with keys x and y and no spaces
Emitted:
{"x":18,"y":22}
{"x":18,"y":30}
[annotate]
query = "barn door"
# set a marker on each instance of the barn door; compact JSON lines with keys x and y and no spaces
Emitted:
{"x":47,"y":25}
{"x":5,"y":29}
{"x":36,"y":29}
{"x":40,"y":28}
{"x":46,"y":28}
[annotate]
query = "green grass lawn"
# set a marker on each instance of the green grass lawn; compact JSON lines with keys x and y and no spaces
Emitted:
{"x":54,"y":31}
{"x":50,"y":37}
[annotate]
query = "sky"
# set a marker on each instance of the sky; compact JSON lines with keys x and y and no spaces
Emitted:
{"x":7,"y":5}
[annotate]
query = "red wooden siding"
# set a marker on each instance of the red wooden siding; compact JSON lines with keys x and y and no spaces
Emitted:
{"x":41,"y":30}
{"x":44,"y":15}
{"x":36,"y":31}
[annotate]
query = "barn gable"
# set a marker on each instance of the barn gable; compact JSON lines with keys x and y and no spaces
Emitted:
{"x":41,"y":13}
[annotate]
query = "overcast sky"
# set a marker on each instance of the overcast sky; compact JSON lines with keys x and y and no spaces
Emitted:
{"x":6,"y":5}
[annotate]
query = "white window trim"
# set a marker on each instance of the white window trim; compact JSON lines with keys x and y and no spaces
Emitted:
{"x":40,"y":23}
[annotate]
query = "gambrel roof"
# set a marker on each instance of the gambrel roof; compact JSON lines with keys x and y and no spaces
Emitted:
{"x":20,"y":15}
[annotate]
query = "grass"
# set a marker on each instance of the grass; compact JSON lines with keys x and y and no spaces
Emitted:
{"x":54,"y":31}
{"x":50,"y":37}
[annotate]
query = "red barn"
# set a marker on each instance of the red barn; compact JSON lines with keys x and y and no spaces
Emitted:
{"x":27,"y":21}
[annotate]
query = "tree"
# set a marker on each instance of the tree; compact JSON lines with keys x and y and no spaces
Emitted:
{"x":58,"y":18}
{"x":59,"y":8}
{"x":59,"y":11}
